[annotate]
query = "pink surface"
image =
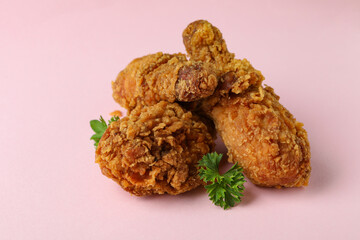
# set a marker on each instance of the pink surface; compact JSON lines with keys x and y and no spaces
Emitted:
{"x":57,"y":59}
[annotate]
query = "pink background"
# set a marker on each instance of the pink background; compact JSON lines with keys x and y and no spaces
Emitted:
{"x":57,"y":59}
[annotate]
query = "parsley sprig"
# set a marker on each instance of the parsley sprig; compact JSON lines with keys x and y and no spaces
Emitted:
{"x":224,"y":190}
{"x":99,"y":127}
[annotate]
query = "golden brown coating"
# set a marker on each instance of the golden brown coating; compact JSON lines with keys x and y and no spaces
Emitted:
{"x":260,"y":134}
{"x":204,"y":42}
{"x":170,"y":77}
{"x":155,"y":150}
{"x":264,"y":138}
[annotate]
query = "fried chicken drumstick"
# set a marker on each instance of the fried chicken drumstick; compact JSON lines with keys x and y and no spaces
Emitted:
{"x":155,"y":150}
{"x":170,"y":77}
{"x":260,"y":134}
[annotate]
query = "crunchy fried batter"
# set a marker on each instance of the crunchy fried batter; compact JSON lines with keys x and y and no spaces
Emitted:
{"x":264,"y":138}
{"x":204,"y":42}
{"x":155,"y":150}
{"x":170,"y":77}
{"x":260,"y":134}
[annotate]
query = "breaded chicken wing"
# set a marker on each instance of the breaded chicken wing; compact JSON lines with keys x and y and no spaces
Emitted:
{"x":260,"y":134}
{"x":155,"y":150}
{"x":170,"y":77}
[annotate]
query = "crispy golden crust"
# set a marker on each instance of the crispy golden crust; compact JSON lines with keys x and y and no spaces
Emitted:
{"x":264,"y":138}
{"x":204,"y":42}
{"x":169,"y":77}
{"x":154,"y":150}
{"x":195,"y":81}
{"x":260,"y":134}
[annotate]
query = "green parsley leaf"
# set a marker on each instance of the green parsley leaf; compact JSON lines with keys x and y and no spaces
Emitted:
{"x":224,"y":190}
{"x":99,"y":127}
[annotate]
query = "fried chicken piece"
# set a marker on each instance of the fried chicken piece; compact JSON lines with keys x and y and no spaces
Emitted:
{"x":264,"y":138}
{"x":155,"y":150}
{"x":204,"y":42}
{"x":260,"y":134}
{"x":170,"y":77}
